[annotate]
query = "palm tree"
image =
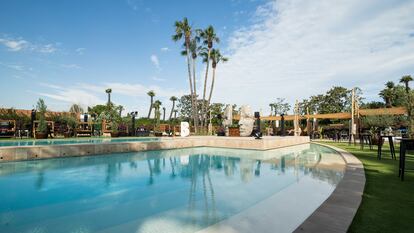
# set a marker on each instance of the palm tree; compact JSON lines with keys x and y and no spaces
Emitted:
{"x":163,"y":113}
{"x":151,"y":94}
{"x":216,"y":57}
{"x":157,"y":104}
{"x":183,"y":30}
{"x":120,"y":108}
{"x":76,"y":109}
{"x":387,"y":95}
{"x":175,"y":113}
{"x":406,"y":79}
{"x":271,"y":108}
{"x":209,"y":37}
{"x":109,"y":91}
{"x":390,"y":85}
{"x":173,"y":99}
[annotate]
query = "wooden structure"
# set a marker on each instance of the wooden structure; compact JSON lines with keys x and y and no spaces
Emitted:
{"x":340,"y":115}
{"x":51,"y":125}
{"x":84,"y":129}
{"x":7,"y":128}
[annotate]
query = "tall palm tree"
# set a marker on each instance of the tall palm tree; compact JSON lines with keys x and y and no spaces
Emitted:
{"x":184,"y":30}
{"x":163,"y":113}
{"x":406,"y":79}
{"x":173,"y":99}
{"x":194,"y":50}
{"x":175,"y":113}
{"x":109,"y":91}
{"x":157,"y":104}
{"x":209,"y":38}
{"x":151,"y":94}
{"x":216,"y":58}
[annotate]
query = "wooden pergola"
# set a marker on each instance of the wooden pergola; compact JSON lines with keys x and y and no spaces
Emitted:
{"x":341,"y":115}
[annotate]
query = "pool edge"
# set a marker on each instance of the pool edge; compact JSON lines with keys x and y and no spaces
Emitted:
{"x":336,"y":213}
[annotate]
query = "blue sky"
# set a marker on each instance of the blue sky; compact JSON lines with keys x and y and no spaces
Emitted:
{"x":71,"y":51}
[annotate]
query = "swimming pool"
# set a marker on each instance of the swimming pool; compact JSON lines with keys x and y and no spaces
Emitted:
{"x":182,"y":190}
{"x":45,"y":142}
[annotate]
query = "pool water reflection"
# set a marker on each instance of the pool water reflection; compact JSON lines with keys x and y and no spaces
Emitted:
{"x":182,"y":190}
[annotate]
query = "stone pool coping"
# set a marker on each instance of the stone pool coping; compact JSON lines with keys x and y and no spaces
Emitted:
{"x":21,"y":153}
{"x":338,"y":211}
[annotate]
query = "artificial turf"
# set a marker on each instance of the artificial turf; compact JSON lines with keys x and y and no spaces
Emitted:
{"x":387,"y":203}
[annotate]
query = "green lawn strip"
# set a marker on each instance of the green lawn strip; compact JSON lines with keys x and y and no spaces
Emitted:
{"x":387,"y":203}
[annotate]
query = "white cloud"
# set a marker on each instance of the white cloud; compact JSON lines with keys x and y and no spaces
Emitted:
{"x":132,"y":96}
{"x":165,"y":49}
{"x":19,"y":44}
{"x":155,"y":61}
{"x":14,"y":44}
{"x":298,"y":48}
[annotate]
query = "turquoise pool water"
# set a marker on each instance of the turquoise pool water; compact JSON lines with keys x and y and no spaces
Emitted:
{"x":44,"y":142}
{"x":182,"y":190}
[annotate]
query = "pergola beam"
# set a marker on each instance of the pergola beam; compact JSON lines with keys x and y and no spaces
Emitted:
{"x":340,"y":115}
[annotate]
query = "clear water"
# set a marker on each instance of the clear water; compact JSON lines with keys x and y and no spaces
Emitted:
{"x":181,"y":190}
{"x":44,"y":142}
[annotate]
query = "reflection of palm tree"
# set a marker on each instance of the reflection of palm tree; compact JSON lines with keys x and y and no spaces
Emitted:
{"x":151,"y":178}
{"x":173,"y":175}
{"x":257,"y":171}
{"x":40,"y":180}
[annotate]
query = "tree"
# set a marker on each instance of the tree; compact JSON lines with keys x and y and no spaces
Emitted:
{"x":184,"y":30}
{"x":163,"y":113}
{"x":157,"y":104}
{"x":76,"y":109}
{"x":209,"y":38}
{"x":387,"y":94}
{"x":41,"y":110}
{"x":173,"y":99}
{"x":216,"y":58}
{"x":109,"y":91}
{"x":271,"y":105}
{"x":151,"y":94}
{"x":406,"y":79}
{"x":280,"y":106}
{"x":120,"y":109}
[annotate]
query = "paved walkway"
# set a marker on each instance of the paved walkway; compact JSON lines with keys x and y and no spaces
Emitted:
{"x":337,"y":212}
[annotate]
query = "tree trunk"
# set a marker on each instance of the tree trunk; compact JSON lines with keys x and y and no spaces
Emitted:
{"x":172,"y":110}
{"x":163,"y":114}
{"x":190,"y":80}
{"x":212,"y":86}
{"x":195,"y":98}
{"x":203,"y":107}
{"x":150,"y":110}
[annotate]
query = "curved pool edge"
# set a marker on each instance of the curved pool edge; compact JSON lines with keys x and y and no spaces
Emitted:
{"x":336,"y":213}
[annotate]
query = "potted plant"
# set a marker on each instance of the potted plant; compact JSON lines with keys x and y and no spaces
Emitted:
{"x":72,"y":124}
{"x":41,"y":130}
{"x":114,"y":129}
{"x":234,"y":130}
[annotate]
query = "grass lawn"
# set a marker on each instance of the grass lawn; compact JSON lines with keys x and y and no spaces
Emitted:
{"x":388,"y":203}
